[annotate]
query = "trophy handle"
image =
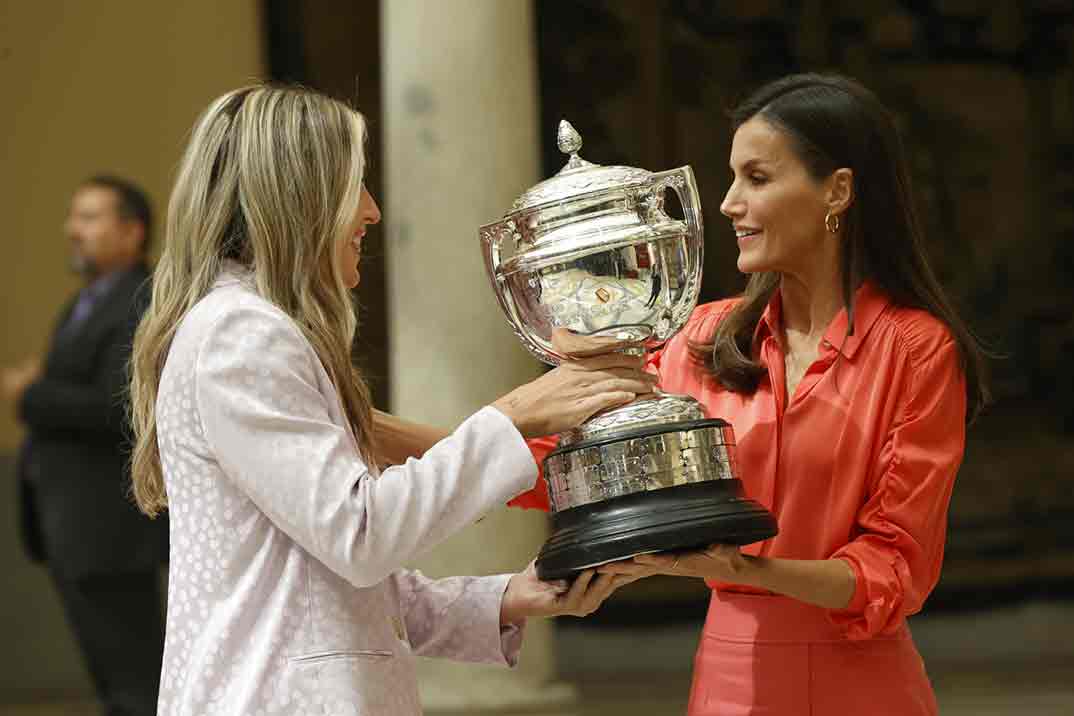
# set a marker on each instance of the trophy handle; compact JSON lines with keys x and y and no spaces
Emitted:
{"x":492,"y":236}
{"x":683,"y":183}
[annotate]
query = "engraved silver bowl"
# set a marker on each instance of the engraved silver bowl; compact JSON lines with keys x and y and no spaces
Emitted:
{"x":592,"y":250}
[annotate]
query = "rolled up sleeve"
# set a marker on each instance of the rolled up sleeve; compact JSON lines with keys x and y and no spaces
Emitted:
{"x":897,"y":550}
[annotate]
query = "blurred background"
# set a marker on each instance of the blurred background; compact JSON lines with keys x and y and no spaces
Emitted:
{"x":463,"y":98}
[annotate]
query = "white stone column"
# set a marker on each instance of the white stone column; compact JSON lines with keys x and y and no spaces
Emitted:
{"x":461,"y":143}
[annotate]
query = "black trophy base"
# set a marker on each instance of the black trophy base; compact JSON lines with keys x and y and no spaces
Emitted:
{"x":683,"y":517}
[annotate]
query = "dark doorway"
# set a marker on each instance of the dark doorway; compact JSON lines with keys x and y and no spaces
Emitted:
{"x":334,"y":46}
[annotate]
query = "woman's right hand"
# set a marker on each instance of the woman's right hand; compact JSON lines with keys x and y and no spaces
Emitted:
{"x":527,"y":596}
{"x":565,"y":397}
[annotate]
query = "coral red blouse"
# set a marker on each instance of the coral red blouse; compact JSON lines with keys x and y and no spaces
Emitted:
{"x":859,"y":463}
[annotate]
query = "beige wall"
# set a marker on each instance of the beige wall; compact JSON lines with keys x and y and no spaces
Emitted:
{"x":85,"y":87}
{"x":96,"y":86}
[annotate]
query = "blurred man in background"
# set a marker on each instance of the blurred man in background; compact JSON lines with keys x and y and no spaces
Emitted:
{"x":102,"y":554}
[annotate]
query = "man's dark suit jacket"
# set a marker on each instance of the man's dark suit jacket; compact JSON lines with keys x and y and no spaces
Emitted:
{"x":73,"y":467}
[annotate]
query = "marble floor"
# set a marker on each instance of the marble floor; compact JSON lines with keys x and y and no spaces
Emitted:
{"x":1018,"y":690}
{"x":1015,"y":661}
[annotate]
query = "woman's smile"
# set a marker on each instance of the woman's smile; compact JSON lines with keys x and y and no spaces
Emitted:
{"x":745,"y":235}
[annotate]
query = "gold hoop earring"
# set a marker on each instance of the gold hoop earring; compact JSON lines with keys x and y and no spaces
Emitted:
{"x":831,"y":222}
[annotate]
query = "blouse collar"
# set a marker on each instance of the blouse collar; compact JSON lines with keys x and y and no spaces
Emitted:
{"x":869,"y":302}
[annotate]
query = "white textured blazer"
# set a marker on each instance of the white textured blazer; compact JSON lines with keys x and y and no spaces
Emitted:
{"x":285,"y":594}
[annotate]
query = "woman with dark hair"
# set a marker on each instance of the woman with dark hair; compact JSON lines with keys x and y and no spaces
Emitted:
{"x":848,"y":378}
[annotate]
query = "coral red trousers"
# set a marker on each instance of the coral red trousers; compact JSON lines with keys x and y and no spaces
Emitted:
{"x":775,"y":656}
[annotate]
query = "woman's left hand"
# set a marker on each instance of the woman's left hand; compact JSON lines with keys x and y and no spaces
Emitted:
{"x":721,"y":562}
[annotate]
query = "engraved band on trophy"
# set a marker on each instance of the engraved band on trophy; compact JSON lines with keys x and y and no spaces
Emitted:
{"x":591,"y":250}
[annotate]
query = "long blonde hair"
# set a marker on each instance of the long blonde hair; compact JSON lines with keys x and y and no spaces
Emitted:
{"x":272,"y":178}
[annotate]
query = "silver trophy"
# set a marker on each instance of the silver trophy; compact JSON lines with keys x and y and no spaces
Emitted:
{"x":591,"y":250}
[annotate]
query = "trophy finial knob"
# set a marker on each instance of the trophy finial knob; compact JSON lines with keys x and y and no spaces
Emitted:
{"x":568,"y":138}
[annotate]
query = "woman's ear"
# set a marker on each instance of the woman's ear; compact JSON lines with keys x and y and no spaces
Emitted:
{"x":841,"y":190}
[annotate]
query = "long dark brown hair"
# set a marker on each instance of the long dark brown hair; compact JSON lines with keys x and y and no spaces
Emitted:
{"x":834,"y":122}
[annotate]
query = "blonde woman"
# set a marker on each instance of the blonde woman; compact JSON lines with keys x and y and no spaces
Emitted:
{"x":256,"y":433}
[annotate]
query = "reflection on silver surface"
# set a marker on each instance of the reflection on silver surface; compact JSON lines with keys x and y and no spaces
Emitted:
{"x":601,"y":472}
{"x":658,"y":409}
{"x":592,"y":250}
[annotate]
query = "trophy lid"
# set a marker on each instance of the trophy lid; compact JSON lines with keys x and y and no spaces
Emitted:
{"x":578,"y":176}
